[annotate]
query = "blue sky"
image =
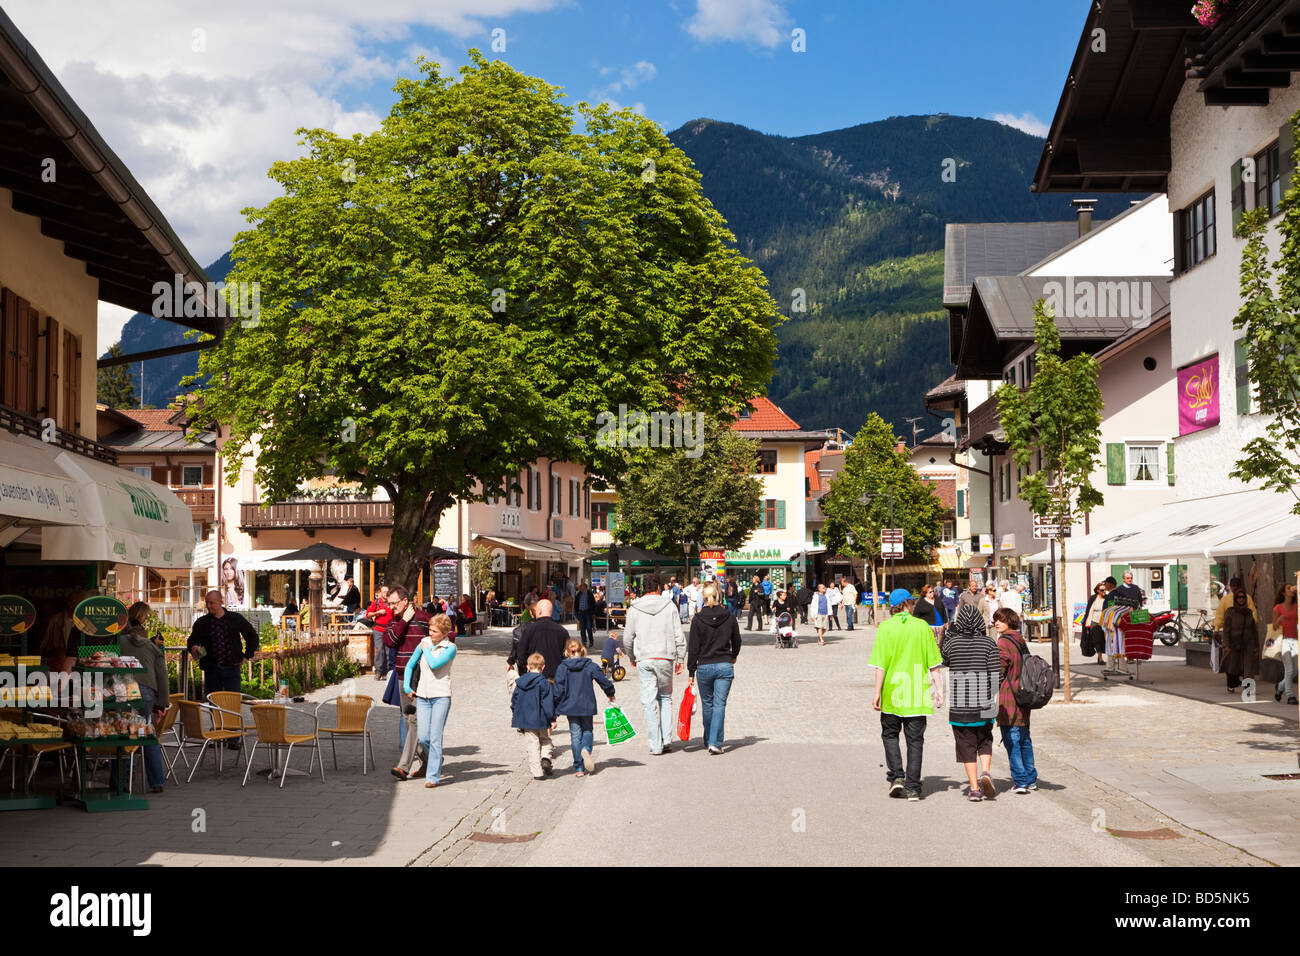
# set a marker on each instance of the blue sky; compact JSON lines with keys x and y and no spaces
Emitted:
{"x":200,"y":98}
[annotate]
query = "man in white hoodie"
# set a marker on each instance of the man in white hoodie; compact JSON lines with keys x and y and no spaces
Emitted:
{"x":656,"y":645}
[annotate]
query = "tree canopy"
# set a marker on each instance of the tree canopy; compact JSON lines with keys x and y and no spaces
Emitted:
{"x":673,"y":496}
{"x":114,"y":386}
{"x":466,"y":289}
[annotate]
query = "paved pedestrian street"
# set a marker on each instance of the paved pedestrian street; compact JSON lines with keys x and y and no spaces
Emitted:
{"x":1129,"y":776}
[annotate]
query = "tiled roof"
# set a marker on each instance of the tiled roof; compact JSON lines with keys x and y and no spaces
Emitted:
{"x":766,"y":417}
{"x":152,"y":419}
{"x":945,"y":489}
{"x":817,"y":461}
{"x":951,"y":385}
{"x":810,"y":470}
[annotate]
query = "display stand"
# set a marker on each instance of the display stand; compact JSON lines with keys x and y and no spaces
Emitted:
{"x":120,"y":796}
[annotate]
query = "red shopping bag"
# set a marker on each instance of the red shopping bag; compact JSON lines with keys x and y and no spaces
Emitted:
{"x":684,"y":714}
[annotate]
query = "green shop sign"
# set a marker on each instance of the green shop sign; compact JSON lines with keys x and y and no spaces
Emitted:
{"x":17,"y":615}
{"x":100,"y":617}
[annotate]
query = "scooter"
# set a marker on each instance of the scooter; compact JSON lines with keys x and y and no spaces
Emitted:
{"x":1167,"y":628}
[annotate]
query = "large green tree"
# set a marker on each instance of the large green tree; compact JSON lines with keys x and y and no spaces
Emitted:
{"x":874,"y":468}
{"x":466,"y":289}
{"x":708,"y":494}
{"x":1058,"y":417}
{"x":1270,"y":297}
{"x":114,"y":386}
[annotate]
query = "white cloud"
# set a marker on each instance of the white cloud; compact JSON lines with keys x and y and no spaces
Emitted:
{"x":1025,"y":122}
{"x":200,"y":127}
{"x":761,"y":22}
{"x":630,"y":77}
{"x":112,"y":319}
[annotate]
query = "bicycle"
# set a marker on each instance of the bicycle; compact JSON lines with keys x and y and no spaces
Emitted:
{"x":1175,"y":629}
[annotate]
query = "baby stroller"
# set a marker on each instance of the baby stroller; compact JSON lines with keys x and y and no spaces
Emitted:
{"x":783,"y":629}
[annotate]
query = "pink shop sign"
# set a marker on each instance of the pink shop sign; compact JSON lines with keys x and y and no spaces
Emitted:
{"x":1198,"y":395}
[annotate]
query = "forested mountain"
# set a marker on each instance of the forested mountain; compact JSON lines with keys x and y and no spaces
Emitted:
{"x":855,"y":218}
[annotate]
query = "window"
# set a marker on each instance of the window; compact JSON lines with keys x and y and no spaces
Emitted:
{"x":1143,"y":463}
{"x":144,"y":471}
{"x":744,"y":412}
{"x":192,"y":476}
{"x":18,"y":339}
{"x":556,"y":484}
{"x":1195,"y":225}
{"x":515,"y":492}
{"x":1268,"y":180}
{"x":1020,"y":374}
{"x":949,"y":529}
{"x":1031,"y":366}
{"x":817,"y":536}
{"x":534,"y":490}
{"x":771,"y":514}
{"x":767,"y":461}
{"x":602,"y":516}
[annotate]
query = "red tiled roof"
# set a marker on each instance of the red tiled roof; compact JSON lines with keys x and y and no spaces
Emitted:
{"x":152,"y":419}
{"x":945,"y":489}
{"x":766,"y":417}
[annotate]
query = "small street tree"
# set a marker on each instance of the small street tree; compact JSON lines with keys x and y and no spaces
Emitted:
{"x":480,"y":568}
{"x":1058,"y":417}
{"x":467,"y":289}
{"x":874,"y":468}
{"x":114,"y":386}
{"x":1272,"y":341}
{"x":672,"y":496}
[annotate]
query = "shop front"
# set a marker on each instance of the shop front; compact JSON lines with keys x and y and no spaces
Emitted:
{"x":779,"y":563}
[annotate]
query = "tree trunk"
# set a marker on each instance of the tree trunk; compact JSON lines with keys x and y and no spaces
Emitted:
{"x":874,"y":591}
{"x":416,"y":514}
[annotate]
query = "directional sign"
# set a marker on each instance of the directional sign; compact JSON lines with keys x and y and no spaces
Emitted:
{"x":891,"y":542}
{"x":891,"y":534}
{"x":1046,"y":527}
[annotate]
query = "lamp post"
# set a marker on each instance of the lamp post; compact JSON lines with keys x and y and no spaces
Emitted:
{"x":866,"y":499}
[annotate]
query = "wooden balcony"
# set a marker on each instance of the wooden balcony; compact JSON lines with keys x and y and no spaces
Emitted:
{"x":985,"y":429}
{"x":310,"y":515}
{"x":201,"y":501}
{"x":16,"y":421}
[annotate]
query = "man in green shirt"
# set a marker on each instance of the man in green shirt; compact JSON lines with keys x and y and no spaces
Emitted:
{"x":906,"y":659}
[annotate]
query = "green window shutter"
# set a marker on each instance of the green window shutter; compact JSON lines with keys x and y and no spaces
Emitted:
{"x":1245,"y":399}
{"x":961,"y":502}
{"x":1116,"y":465}
{"x":780,"y":514}
{"x":1236,"y":193}
{"x":1117,"y":572}
{"x":817,"y":543}
{"x":1169,"y":465}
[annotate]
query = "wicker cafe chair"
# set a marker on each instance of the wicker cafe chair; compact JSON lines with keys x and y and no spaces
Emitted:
{"x":193,"y":731}
{"x":352,"y":719}
{"x":168,"y":724}
{"x":65,"y":749}
{"x":230,"y":716}
{"x":272,"y":721}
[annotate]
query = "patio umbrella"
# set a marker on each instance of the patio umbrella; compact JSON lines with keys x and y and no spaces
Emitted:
{"x":629,"y":552}
{"x":444,"y":554}
{"x":320,"y":551}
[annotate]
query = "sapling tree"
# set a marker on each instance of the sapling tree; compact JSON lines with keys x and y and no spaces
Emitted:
{"x":1059,"y":418}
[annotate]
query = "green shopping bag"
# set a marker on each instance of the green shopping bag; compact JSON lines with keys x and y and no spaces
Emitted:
{"x":617,"y":727}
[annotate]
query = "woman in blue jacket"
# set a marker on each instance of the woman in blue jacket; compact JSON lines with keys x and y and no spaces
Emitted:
{"x":576,"y":700}
{"x":432,"y":691}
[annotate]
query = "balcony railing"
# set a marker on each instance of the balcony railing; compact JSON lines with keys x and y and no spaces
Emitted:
{"x":984,"y":422}
{"x":16,"y":421}
{"x":198,"y":499}
{"x":309,"y":515}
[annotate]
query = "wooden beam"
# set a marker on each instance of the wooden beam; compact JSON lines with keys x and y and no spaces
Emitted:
{"x":1264,"y":62}
{"x":1278,"y":43}
{"x":1218,"y":96}
{"x":1160,"y":15}
{"x":1241,"y":80}
{"x":154,"y":353}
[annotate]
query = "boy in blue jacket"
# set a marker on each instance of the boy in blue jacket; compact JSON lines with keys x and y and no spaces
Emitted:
{"x":533,"y":707}
{"x":575,"y":699}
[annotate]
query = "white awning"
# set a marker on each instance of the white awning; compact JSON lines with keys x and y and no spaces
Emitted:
{"x":264,"y":559}
{"x":1243,"y":522}
{"x":531,"y":550}
{"x":125,"y":518}
{"x":34,"y":490}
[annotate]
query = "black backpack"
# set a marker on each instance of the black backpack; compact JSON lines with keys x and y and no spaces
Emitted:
{"x":1037,"y":680}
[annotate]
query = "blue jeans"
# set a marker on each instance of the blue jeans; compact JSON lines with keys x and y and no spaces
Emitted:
{"x":1020,"y":755}
{"x":587,"y":627}
{"x":221,"y":678}
{"x":430,"y":718}
{"x":848,"y":617}
{"x":381,"y":652}
{"x":154,"y":772}
{"x":714,"y":681}
{"x":657,"y":699}
{"x":581,"y":738}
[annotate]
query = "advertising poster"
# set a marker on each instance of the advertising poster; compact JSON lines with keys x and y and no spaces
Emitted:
{"x":1198,"y":395}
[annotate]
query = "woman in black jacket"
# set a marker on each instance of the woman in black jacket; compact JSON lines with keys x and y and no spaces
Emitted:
{"x":711,"y":649}
{"x":930,"y":610}
{"x":784,"y":604}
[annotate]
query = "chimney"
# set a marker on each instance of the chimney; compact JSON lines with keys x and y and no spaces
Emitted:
{"x":1084,"y":207}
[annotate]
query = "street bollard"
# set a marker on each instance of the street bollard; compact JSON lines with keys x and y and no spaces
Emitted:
{"x":1054,"y":635}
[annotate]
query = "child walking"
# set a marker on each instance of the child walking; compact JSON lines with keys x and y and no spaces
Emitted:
{"x":576,"y":700}
{"x":532,"y":704}
{"x":974,"y":673}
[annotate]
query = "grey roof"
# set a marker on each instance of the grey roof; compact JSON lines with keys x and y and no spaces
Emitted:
{"x":810,"y":439}
{"x":972,"y":250}
{"x":161,"y":441}
{"x":1121,"y":304}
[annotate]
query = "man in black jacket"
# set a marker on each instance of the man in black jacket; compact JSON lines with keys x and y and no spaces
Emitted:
{"x":756,"y":602}
{"x":215,"y":641}
{"x":803,"y":597}
{"x":543,"y":636}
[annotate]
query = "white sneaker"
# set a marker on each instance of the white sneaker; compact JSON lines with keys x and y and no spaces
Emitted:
{"x":588,"y":764}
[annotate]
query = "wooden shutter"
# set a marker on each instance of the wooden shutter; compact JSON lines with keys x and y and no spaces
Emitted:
{"x":1237,"y":196}
{"x":780,"y":514}
{"x":178,"y":475}
{"x":1169,"y":461}
{"x":25,"y":359}
{"x":207,"y":476}
{"x":1245,"y":397}
{"x":961,"y":502}
{"x":159,"y":474}
{"x":8,"y":348}
{"x":71,"y":384}
{"x":51,"y":409}
{"x":1116,"y":464}
{"x":1285,"y":154}
{"x":1180,"y":229}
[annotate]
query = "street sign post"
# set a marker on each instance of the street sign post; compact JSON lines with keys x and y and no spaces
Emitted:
{"x":891,"y":547}
{"x":1047,"y":527}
